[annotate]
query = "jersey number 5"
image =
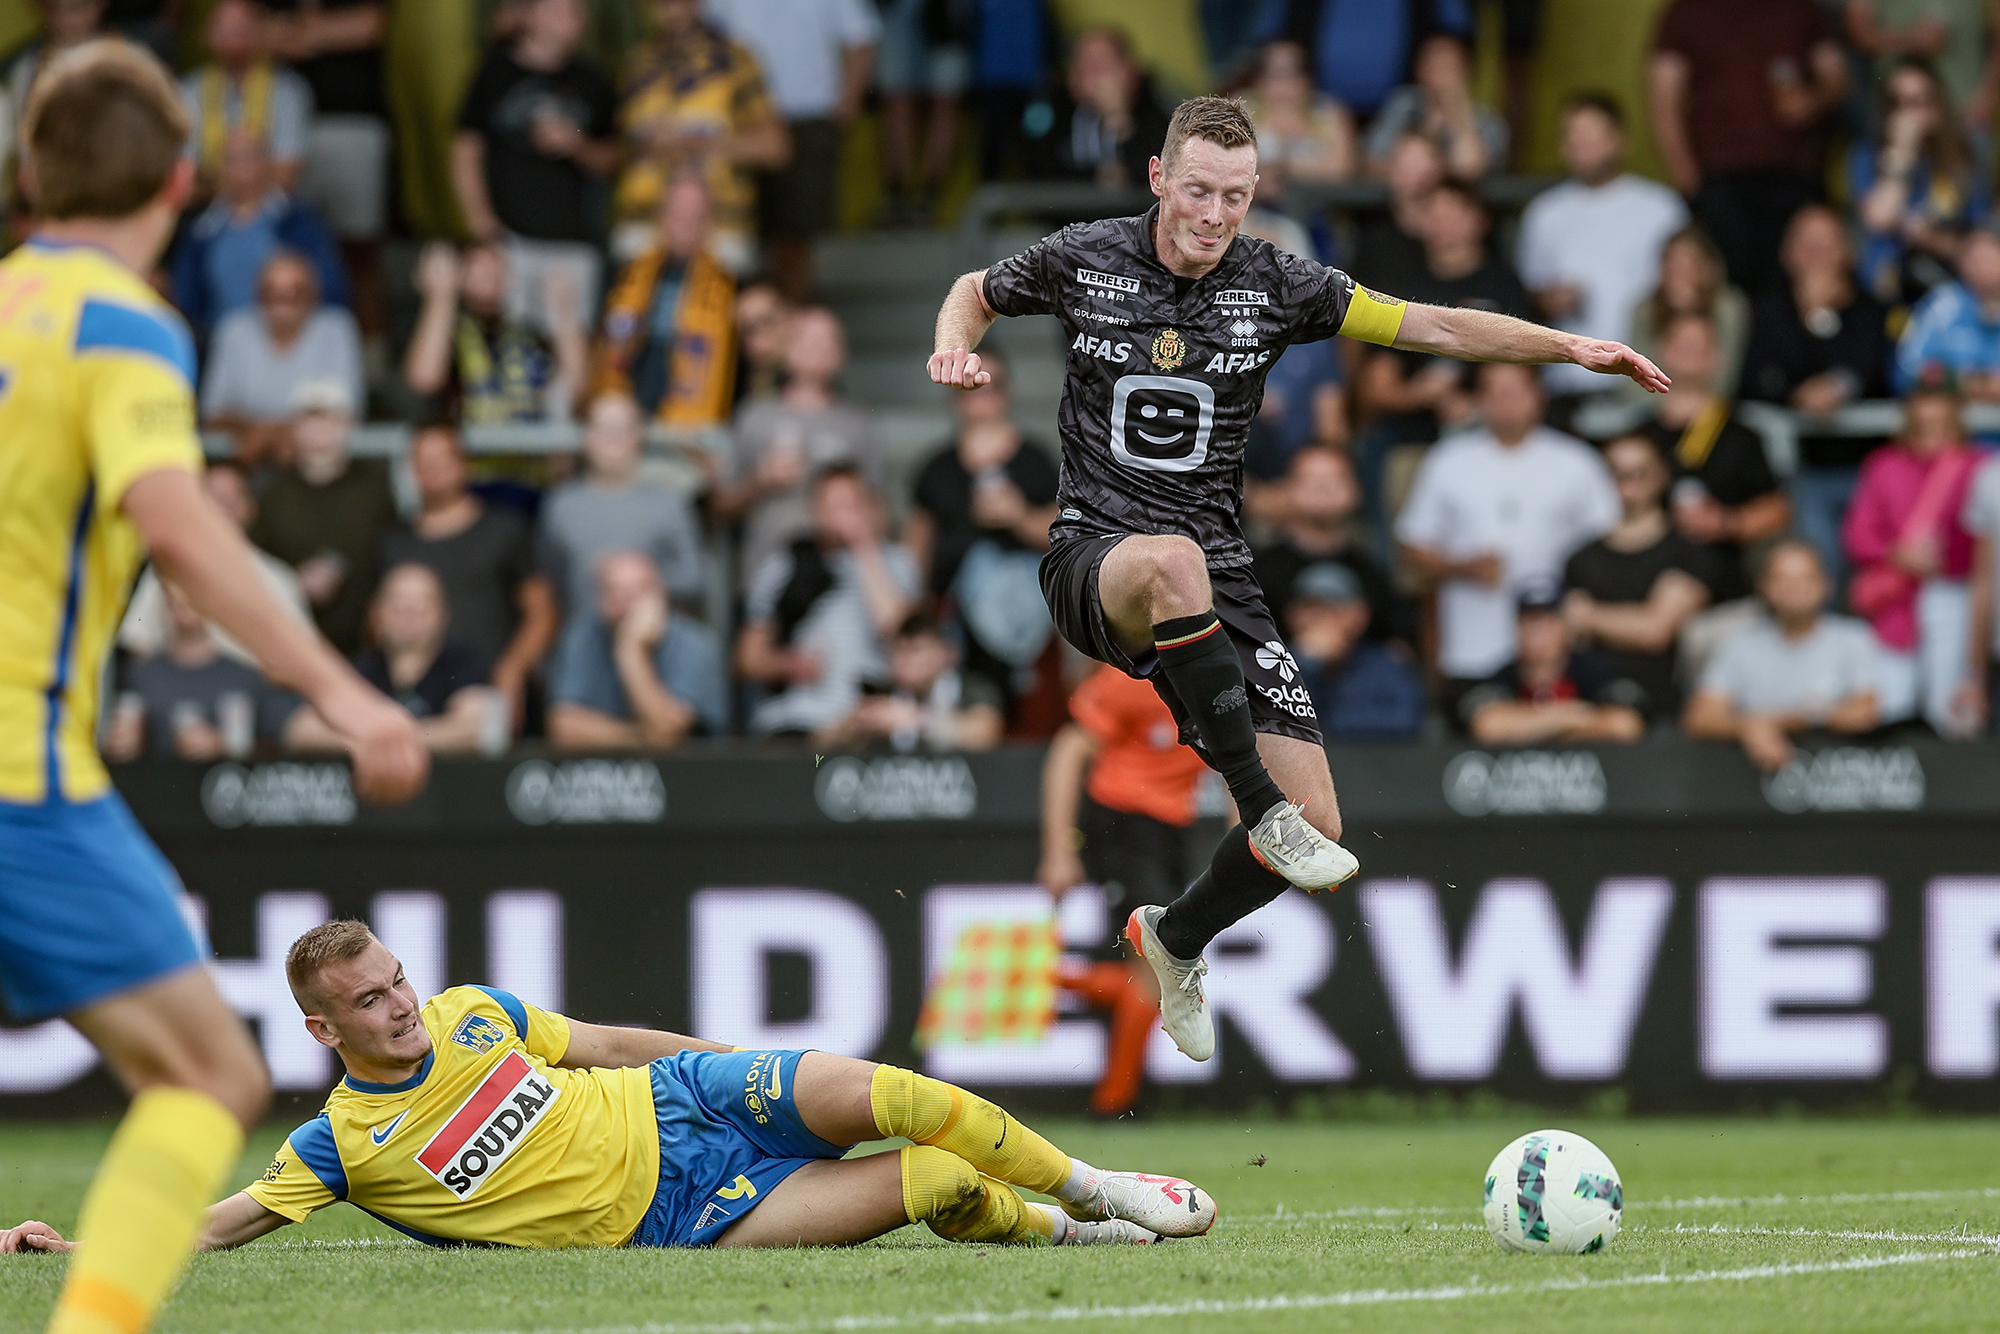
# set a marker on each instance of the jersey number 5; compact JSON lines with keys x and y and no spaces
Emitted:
{"x":1161,"y":422}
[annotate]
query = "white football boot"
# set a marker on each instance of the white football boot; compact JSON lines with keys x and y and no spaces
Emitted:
{"x":1183,"y":1003}
{"x":1168,"y":1206}
{"x":1292,"y":848}
{"x":1100,"y":1232}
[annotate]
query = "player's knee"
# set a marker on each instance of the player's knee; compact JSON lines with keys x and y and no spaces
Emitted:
{"x":941,"y":1190}
{"x":1177,"y":572}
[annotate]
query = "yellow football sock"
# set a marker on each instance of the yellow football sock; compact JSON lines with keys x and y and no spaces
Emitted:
{"x":144,"y":1209}
{"x":942,"y":1191}
{"x":931,"y":1111}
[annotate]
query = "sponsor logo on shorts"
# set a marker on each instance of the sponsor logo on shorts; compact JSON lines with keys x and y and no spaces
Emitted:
{"x":479,"y":1033}
{"x":763,"y":1085}
{"x":488,"y":1126}
{"x":1273,"y":656}
{"x":1109,"y":282}
{"x":1232,"y":698}
{"x":1292,"y":699}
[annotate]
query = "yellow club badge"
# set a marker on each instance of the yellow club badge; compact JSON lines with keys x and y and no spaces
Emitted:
{"x":1169,"y":349}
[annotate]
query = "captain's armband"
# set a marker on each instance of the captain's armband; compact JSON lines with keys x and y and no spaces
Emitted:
{"x":1372,"y":318}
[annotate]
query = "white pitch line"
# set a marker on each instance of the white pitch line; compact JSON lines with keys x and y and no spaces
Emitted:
{"x":1694,"y":1202}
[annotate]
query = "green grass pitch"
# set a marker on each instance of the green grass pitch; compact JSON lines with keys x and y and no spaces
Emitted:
{"x":1798,"y":1224}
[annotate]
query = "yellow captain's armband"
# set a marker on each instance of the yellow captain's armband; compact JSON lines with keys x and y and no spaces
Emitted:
{"x":1373,"y":319}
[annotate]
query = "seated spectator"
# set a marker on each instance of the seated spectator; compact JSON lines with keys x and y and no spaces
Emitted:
{"x":144,"y":629}
{"x":821,"y":608}
{"x":1314,"y":512}
{"x":669,"y":336}
{"x":486,"y":366}
{"x":1360,"y":50}
{"x":221,"y":254}
{"x":1302,"y":134}
{"x":262,"y":354}
{"x":1389,"y":248}
{"x":1792,"y":670}
{"x":325,"y":514}
{"x":1632,"y":591}
{"x":191,"y":700}
{"x":1918,"y":188}
{"x":781,"y":443}
{"x":1973,"y":700}
{"x":1546,"y":696}
{"x":1589,"y":248}
{"x":1103,"y":122}
{"x":1362,"y":689}
{"x":696,"y":105}
{"x":242,"y":89}
{"x":1439,"y":106}
{"x":1957,"y":36}
{"x":1957,"y":326}
{"x":612,"y":508}
{"x":337,"y":48}
{"x":1725,"y":497}
{"x":1692,"y":282}
{"x":1305,"y":403}
{"x":537,"y":132}
{"x":631,"y":671}
{"x":502,"y":607}
{"x":1495,"y":511}
{"x":65,"y":23}
{"x":413,"y":661}
{"x":1912,"y":557}
{"x":763,"y":330}
{"x":925,"y":700}
{"x":147,"y":23}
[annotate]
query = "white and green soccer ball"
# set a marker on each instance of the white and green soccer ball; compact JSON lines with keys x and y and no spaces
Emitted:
{"x":1552,"y":1190}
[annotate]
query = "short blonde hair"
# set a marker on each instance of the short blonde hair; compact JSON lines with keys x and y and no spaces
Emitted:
{"x":1223,"y":121}
{"x":319,"y":949}
{"x":104,"y":128}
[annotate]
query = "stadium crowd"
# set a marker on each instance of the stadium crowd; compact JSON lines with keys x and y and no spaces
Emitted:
{"x":1520,"y":555}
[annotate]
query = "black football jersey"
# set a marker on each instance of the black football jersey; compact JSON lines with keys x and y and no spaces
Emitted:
{"x":1160,"y":390}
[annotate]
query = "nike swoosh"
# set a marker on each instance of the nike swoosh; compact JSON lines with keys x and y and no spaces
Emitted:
{"x":1003,"y":1133}
{"x":381,"y":1137}
{"x":776,"y":1088}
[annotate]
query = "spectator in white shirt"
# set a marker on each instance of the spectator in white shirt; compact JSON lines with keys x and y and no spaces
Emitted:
{"x":1494,"y":511}
{"x":263,"y":354}
{"x":1981,"y":518}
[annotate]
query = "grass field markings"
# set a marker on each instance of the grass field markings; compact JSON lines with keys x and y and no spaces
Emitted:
{"x":1284,"y":1215}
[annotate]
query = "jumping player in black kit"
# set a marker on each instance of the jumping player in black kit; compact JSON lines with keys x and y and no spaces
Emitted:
{"x":1173,"y":321}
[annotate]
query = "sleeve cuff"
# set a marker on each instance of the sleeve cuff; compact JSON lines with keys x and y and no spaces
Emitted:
{"x":1373,"y":319}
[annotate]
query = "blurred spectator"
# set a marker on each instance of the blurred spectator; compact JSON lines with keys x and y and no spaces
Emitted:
{"x":1459,"y":267}
{"x":816,"y":56}
{"x":502,"y":607}
{"x":630,"y":670}
{"x":1692,"y":283}
{"x":1495,"y":511}
{"x":921,"y":70}
{"x":1981,"y":518}
{"x":1630,"y":593}
{"x":1918,"y":190}
{"x":696,"y":104}
{"x":1360,"y":48}
{"x":1103,"y":122}
{"x":1361,"y":688}
{"x":1912,"y":556}
{"x":763,"y":329}
{"x":612,"y":508}
{"x":1389,"y":249}
{"x":149,"y":23}
{"x":261,"y":355}
{"x":144,"y":631}
{"x":192,"y":701}
{"x":221,"y":253}
{"x":779,"y":443}
{"x":1010,"y":42}
{"x":820,"y":609}
{"x":1302,"y":134}
{"x":1792,"y":670}
{"x":1955,"y":36}
{"x":1439,"y":106}
{"x":336,"y":47}
{"x":413,"y":661}
{"x":65,"y":23}
{"x":1739,"y":94}
{"x":924,"y":701}
{"x":1957,"y":326}
{"x":325,"y":515}
{"x":537,"y":133}
{"x":1547,"y":696}
{"x":669,"y":325}
{"x":978,"y":523}
{"x":242,"y":89}
{"x":1305,"y":403}
{"x":1589,"y":249}
{"x":1725,"y":496}
{"x":1314,"y":512}
{"x":487,"y":365}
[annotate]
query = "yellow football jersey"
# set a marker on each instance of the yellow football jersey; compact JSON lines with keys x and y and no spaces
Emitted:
{"x":96,"y":390}
{"x":490,"y":1141}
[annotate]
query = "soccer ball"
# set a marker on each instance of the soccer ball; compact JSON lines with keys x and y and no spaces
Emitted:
{"x":1553,"y":1191}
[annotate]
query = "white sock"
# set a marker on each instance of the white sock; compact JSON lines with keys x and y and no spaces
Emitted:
{"x":1082,"y":1185}
{"x":1064,"y":1225}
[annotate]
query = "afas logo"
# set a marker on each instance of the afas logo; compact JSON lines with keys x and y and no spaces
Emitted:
{"x":501,"y":1112}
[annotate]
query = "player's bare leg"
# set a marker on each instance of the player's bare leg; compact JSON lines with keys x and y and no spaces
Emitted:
{"x":180,"y":1033}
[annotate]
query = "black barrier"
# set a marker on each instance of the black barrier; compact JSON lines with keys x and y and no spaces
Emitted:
{"x":1657,"y":919}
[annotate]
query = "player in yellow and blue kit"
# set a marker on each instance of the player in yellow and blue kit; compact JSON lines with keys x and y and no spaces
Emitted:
{"x":98,"y":466}
{"x":474,"y":1118}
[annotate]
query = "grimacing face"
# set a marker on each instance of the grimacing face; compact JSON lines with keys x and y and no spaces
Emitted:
{"x":1203,"y":197}
{"x":367,"y":1008}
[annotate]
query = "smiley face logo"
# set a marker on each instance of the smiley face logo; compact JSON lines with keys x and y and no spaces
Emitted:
{"x":1161,"y":422}
{"x":1169,"y":349}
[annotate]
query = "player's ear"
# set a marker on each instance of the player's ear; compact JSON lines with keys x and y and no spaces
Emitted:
{"x":1156,"y":176}
{"x":322,"y":1032}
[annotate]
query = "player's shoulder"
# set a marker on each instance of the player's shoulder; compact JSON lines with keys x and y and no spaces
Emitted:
{"x":1098,"y":238}
{"x":475,"y":1018}
{"x":101,"y":307}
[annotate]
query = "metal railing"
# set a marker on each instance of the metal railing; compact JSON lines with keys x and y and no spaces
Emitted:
{"x":1782,"y":428}
{"x":392,"y":439}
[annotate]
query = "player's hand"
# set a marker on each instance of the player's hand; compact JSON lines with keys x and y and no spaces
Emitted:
{"x":33,"y":1235}
{"x":388,"y":752}
{"x":959,"y":369}
{"x":1608,"y":358}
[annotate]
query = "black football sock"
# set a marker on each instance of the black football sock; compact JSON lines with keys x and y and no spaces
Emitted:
{"x":1202,"y":666}
{"x":1235,"y":885}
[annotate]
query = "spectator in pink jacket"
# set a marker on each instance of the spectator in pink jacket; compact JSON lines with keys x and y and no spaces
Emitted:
{"x":1911,"y":556}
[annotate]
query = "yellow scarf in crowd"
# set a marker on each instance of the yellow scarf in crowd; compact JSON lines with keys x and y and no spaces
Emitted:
{"x":255,"y":105}
{"x":701,"y":371}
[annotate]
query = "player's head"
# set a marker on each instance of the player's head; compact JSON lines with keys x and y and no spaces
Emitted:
{"x":1205,"y":176}
{"x":1593,"y":137}
{"x":104,"y":129}
{"x":354,"y":996}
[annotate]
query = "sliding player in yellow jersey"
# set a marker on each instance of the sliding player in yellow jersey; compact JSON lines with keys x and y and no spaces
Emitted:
{"x":476,"y":1118}
{"x":99,"y":465}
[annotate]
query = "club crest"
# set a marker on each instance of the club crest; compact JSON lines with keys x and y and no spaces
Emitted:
{"x":1169,"y":349}
{"x":479,"y":1033}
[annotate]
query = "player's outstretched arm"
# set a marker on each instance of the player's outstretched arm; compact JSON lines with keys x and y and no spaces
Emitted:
{"x":962,"y":321}
{"x":1482,"y":335}
{"x":601,"y":1047}
{"x":231,"y":1223}
{"x":203,"y":554}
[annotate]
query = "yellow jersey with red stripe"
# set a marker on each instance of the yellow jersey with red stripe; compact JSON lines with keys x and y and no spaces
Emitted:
{"x":96,"y":391}
{"x":490,"y":1141}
